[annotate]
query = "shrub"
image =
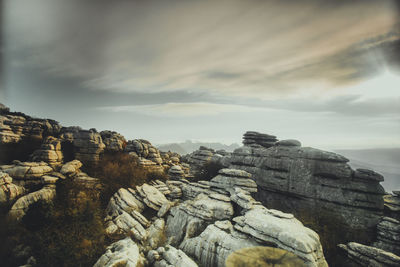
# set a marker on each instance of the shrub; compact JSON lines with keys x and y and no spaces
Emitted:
{"x":208,"y":171}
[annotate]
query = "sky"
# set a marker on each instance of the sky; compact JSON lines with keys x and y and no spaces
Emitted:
{"x":324,"y":72}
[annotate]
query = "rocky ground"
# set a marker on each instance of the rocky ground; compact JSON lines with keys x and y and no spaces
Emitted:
{"x":270,"y":198}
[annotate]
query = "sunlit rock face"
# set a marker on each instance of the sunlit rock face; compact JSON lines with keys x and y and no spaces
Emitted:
{"x":316,"y":186}
{"x":21,"y":134}
{"x":49,"y":152}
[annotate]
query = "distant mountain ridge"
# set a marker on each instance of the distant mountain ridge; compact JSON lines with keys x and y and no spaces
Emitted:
{"x":190,"y":146}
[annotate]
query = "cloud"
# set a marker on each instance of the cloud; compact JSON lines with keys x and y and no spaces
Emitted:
{"x":254,"y":48}
{"x":176,"y":110}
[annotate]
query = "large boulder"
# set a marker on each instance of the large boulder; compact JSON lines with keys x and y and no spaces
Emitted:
{"x":8,"y":190}
{"x":121,"y":253}
{"x":49,"y":152}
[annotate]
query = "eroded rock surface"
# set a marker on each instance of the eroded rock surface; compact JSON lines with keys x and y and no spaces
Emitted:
{"x":370,"y":256}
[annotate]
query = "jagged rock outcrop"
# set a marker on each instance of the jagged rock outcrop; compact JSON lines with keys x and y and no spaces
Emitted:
{"x":176,"y":173}
{"x":49,"y":152}
{"x":314,"y":184}
{"x":8,"y":190}
{"x":144,"y":150}
{"x":121,"y":253}
{"x":21,"y":206}
{"x":21,"y":134}
{"x":27,"y":173}
{"x":388,"y":235}
{"x":113,"y":141}
{"x":169,"y":256}
{"x":228,"y":180}
{"x":71,"y":168}
{"x":87,"y":144}
{"x":370,"y":256}
{"x":256,"y":139}
{"x":199,"y":157}
{"x":392,"y":205}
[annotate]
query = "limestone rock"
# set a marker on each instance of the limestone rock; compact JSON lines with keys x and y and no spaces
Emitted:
{"x":156,"y":234}
{"x":298,"y":179}
{"x":151,"y":196}
{"x":174,"y":257}
{"x":144,"y":150}
{"x":229,"y":179}
{"x":256,"y":139}
{"x":122,"y":253}
{"x":198,"y":158}
{"x":87,"y":144}
{"x":124,"y":224}
{"x":21,"y":206}
{"x":8,"y":190}
{"x":71,"y":168}
{"x":49,"y":152}
{"x":370,"y":256}
{"x":288,"y":142}
{"x":283,"y":231}
{"x":27,"y":173}
{"x":113,"y":141}
{"x":388,"y":236}
{"x":176,"y":173}
{"x":216,"y":243}
{"x":192,"y":216}
{"x":392,"y":205}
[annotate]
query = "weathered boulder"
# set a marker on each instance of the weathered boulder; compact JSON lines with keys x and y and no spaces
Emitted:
{"x":229,"y":179}
{"x":27,"y":173}
{"x":8,"y":190}
{"x":49,"y":152}
{"x":176,"y":173}
{"x":282,"y":230}
{"x":71,"y":168}
{"x":144,"y":150}
{"x":192,"y":216}
{"x":392,"y":205}
{"x":170,"y":256}
{"x":21,"y":206}
{"x":388,"y":235}
{"x":256,"y":139}
{"x":370,"y":256}
{"x":198,"y":158}
{"x":216,"y":243}
{"x":113,"y":141}
{"x":121,"y":253}
{"x":152,"y":197}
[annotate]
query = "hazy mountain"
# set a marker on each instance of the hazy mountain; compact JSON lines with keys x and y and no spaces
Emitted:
{"x":386,"y":161}
{"x":189,"y":146}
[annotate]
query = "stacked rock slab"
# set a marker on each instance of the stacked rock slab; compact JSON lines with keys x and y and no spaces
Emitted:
{"x":388,"y":235}
{"x":169,"y":256}
{"x":121,"y":253}
{"x":49,"y":152}
{"x":88,"y":144}
{"x":363,"y":255}
{"x":392,"y":205}
{"x":113,"y":141}
{"x":315,"y":185}
{"x":21,"y":134}
{"x":27,"y":174}
{"x":198,"y":158}
{"x":256,"y":139}
{"x":176,"y":173}
{"x":8,"y":190}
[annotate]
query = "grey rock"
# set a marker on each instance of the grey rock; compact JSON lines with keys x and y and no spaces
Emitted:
{"x":370,"y":256}
{"x":174,"y":257}
{"x":121,"y":253}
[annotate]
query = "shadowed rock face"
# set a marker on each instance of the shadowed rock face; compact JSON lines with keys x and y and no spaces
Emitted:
{"x":318,"y":187}
{"x":21,"y":134}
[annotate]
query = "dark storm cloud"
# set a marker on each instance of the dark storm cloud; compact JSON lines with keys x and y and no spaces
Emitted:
{"x":161,"y":62}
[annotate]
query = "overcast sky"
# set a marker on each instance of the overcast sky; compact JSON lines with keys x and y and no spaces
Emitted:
{"x":324,"y":72}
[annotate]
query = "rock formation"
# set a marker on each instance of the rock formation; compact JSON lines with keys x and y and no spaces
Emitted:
{"x":313,"y":184}
{"x":388,"y":235}
{"x":27,"y":173}
{"x":369,"y":256}
{"x":392,"y":205}
{"x":256,"y":139}
{"x":49,"y":152}
{"x":8,"y":190}
{"x":121,"y":253}
{"x":113,"y":141}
